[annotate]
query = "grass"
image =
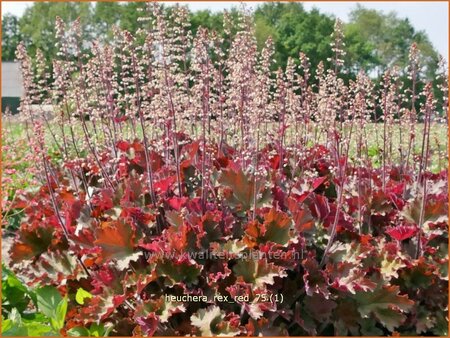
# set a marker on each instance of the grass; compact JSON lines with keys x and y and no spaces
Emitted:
{"x":17,"y":173}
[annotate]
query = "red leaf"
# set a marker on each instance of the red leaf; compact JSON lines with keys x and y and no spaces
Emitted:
{"x":241,"y":187}
{"x":315,"y":279}
{"x":116,"y":240}
{"x":163,"y":185}
{"x":278,"y":196}
{"x":275,"y":162}
{"x":123,"y":145}
{"x":402,"y":232}
{"x":320,"y":207}
{"x":148,"y":324}
{"x":189,"y":151}
{"x":302,"y":218}
{"x":318,"y":181}
{"x":102,"y":201}
{"x":119,"y":119}
{"x":221,"y":162}
{"x":137,"y":215}
{"x":177,"y":202}
{"x":275,"y":229}
{"x":252,"y":233}
{"x":31,"y":242}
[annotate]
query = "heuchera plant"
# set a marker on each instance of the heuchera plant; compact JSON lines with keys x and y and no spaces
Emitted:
{"x":179,"y":160}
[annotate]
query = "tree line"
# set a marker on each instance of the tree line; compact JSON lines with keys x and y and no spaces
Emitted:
{"x":374,"y":40}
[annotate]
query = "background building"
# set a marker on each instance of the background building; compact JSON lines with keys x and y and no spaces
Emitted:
{"x":12,"y":88}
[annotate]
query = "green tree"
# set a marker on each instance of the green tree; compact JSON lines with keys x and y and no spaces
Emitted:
{"x":37,"y":25}
{"x":130,"y":14}
{"x":374,"y":40}
{"x":207,"y":19}
{"x":295,"y":30}
{"x":214,"y":22}
{"x":11,"y":36}
{"x":391,"y":38}
{"x":105,"y":16}
{"x":360,"y":53}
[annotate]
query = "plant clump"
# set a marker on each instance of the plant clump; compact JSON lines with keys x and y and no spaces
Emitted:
{"x":175,"y":167}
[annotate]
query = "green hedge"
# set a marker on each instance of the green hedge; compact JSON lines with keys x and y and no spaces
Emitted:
{"x":11,"y":102}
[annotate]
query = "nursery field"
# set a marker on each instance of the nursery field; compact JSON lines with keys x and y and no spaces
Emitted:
{"x":186,"y":186}
{"x":18,"y":170}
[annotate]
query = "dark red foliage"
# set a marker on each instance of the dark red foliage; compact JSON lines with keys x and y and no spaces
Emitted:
{"x":402,"y":232}
{"x":137,"y":253}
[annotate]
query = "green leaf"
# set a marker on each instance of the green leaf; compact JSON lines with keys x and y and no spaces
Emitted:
{"x":6,"y":324}
{"x":108,"y":328}
{"x":258,"y":272}
{"x":81,"y":295}
{"x":52,"y":305}
{"x":95,"y":330}
{"x":99,"y":330}
{"x":242,"y":188}
{"x":390,"y":318}
{"x":177,"y":272}
{"x":60,"y":315}
{"x":16,"y":331}
{"x":14,"y":293}
{"x":14,"y":326}
{"x":368,"y":328}
{"x":386,"y":304}
{"x":434,"y":211}
{"x":15,"y":317}
{"x":15,"y":219}
{"x":78,"y":331}
{"x":48,"y":299}
{"x":39,"y":329}
{"x":373,"y":151}
{"x":277,"y":224}
{"x":35,"y":317}
{"x":441,"y":327}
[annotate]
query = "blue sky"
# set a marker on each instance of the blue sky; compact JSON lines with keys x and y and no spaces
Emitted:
{"x":430,"y":16}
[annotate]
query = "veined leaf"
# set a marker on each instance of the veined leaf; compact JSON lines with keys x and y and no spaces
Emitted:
{"x":211,"y":322}
{"x":258,"y":272}
{"x":386,"y":304}
{"x":117,"y":241}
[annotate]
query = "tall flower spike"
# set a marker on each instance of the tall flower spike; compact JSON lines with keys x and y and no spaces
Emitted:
{"x":337,"y":46}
